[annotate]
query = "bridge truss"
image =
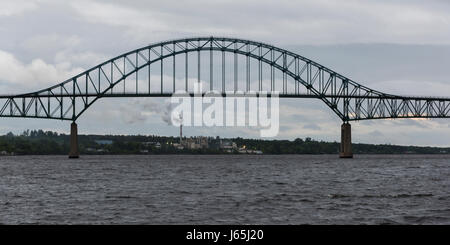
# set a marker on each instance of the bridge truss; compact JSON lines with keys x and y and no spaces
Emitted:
{"x":226,"y":65}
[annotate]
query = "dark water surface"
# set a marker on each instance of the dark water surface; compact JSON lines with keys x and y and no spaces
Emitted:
{"x":225,"y":189}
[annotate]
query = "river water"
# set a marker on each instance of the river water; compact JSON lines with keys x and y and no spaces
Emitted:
{"x":225,"y":189}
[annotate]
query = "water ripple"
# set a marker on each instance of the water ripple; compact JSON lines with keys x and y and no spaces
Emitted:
{"x":224,"y":189}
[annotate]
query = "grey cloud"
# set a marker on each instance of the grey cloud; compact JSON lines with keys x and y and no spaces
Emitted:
{"x":65,"y":37}
{"x":312,"y":22}
{"x":10,"y":8}
{"x":163,"y":109}
{"x":375,"y":133}
{"x":311,"y":126}
{"x":408,"y":122}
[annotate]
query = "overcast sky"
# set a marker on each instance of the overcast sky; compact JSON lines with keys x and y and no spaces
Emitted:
{"x":396,"y":46}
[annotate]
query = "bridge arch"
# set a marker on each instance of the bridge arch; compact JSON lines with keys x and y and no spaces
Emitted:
{"x":280,"y":67}
{"x":346,"y":98}
{"x":69,"y":99}
{"x":349,"y":100}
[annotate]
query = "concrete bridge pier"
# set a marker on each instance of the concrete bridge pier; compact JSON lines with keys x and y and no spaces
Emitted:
{"x":346,"y":141}
{"x":74,"y":153}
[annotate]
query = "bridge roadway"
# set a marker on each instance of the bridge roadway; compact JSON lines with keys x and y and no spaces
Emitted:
{"x":229,"y":94}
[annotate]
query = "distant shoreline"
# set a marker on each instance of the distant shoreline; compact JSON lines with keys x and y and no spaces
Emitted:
{"x":39,"y":142}
{"x":233,"y":154}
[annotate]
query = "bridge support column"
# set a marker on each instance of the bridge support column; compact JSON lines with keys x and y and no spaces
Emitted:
{"x":346,"y":141}
{"x":73,"y":153}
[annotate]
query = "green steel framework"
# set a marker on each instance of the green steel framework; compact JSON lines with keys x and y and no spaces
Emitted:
{"x":348,"y":99}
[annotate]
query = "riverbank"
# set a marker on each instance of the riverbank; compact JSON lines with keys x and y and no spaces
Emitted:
{"x":38,"y":142}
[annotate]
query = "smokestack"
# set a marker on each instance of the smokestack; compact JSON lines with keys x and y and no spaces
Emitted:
{"x":181,"y":128}
{"x":181,"y":133}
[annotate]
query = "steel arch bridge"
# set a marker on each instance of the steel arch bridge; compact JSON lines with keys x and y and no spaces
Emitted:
{"x":226,"y":65}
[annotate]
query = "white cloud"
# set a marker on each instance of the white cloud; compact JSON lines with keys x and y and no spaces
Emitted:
{"x":63,"y":49}
{"x":52,"y":41}
{"x":9,"y":8}
{"x":35,"y":75}
{"x":135,"y":22}
{"x":86,"y":59}
{"x":402,"y":132}
{"x":413,"y":88}
{"x":299,"y":22}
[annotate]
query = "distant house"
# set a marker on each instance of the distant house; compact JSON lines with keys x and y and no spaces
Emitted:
{"x":178,"y":146}
{"x":196,"y":143}
{"x":228,"y":145}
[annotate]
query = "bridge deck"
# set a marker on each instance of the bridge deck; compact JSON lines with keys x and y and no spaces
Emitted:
{"x":228,"y":94}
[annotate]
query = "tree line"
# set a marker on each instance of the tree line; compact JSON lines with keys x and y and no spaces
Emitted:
{"x":39,"y":142}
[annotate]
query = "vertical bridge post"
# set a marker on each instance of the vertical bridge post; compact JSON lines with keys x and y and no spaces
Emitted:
{"x":73,"y":153}
{"x":346,"y":141}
